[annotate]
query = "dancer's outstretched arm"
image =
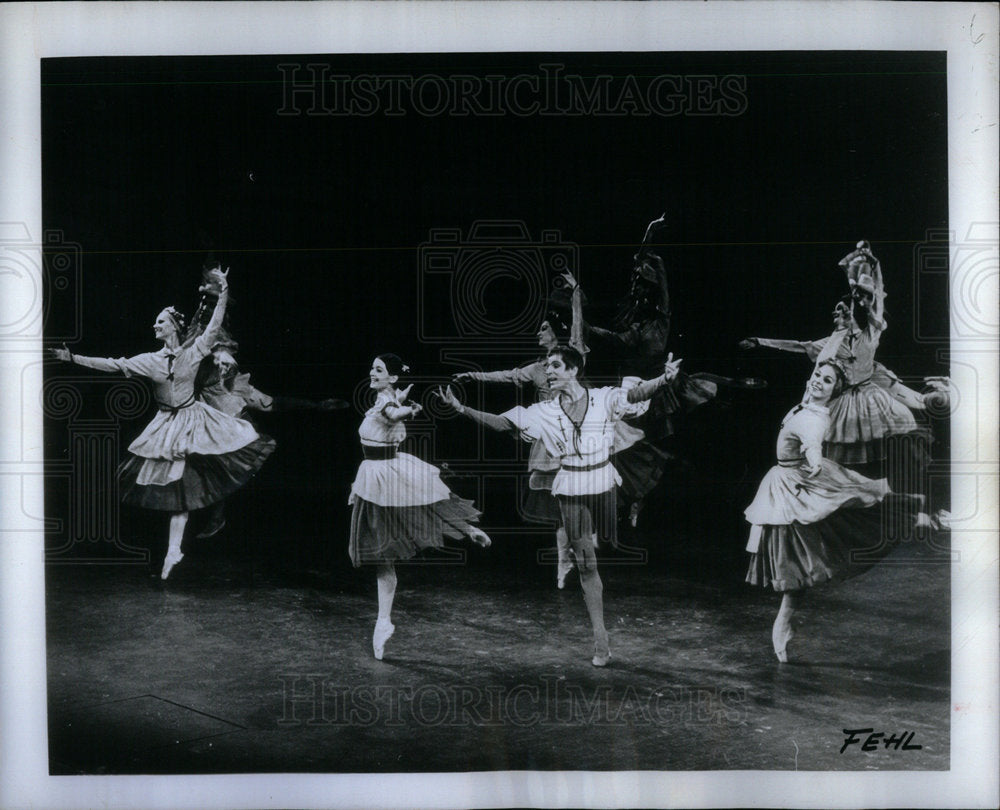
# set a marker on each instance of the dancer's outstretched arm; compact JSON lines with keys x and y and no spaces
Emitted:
{"x":618,"y":341}
{"x":646,"y":388}
{"x":219,"y":313}
{"x":577,"y":326}
{"x":811,"y":348}
{"x":398,"y":412}
{"x":490,"y":420}
{"x":105,"y":364}
{"x":517,"y":376}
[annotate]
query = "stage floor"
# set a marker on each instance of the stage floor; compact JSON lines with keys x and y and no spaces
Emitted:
{"x":227,"y":669}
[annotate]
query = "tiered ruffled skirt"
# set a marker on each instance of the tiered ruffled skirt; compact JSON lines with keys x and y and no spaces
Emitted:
{"x":191,"y":458}
{"x":400,"y":506}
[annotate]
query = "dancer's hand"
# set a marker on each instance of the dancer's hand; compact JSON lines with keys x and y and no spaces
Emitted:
{"x":938,"y":393}
{"x":749,"y":343}
{"x":570,"y":280}
{"x":814,"y":471}
{"x":447,"y":397}
{"x":415,"y":408}
{"x":658,"y":223}
{"x":462,"y":377}
{"x":63,"y":354}
{"x":672,"y":367}
{"x":224,"y":362}
{"x":403,"y":393}
{"x":218,"y":277}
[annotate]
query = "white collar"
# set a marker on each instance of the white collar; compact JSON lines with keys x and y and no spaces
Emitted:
{"x":812,"y":406}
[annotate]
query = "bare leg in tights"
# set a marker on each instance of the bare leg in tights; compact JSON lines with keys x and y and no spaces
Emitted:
{"x":593,"y":594}
{"x":783,"y":631}
{"x":386,"y":576}
{"x":386,"y":579}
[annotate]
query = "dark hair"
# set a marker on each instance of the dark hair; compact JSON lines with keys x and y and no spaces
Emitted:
{"x":570,"y":356}
{"x":394,"y":365}
{"x":838,"y":372}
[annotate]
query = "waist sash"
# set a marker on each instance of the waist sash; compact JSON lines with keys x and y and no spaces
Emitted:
{"x":378,"y":452}
{"x":588,"y":467}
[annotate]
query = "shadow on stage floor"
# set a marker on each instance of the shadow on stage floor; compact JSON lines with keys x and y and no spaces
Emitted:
{"x":241,"y":664}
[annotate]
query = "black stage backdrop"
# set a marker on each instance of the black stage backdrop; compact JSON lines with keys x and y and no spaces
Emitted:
{"x":330,"y":197}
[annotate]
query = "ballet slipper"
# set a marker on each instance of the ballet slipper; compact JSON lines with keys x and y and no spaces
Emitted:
{"x":479,"y":537}
{"x":602,"y":652}
{"x":383,"y":632}
{"x":172,"y":558}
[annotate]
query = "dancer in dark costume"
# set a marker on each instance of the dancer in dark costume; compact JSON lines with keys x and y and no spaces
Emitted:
{"x":191,"y":455}
{"x":577,"y":427}
{"x":220,"y":384}
{"x":638,"y":343}
{"x":400,"y":505}
{"x":640,"y":337}
{"x":811,"y":515}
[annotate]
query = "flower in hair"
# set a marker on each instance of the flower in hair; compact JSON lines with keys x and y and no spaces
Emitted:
{"x":178,"y":317}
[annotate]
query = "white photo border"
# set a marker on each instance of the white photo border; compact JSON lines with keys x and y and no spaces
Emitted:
{"x":968,"y":32}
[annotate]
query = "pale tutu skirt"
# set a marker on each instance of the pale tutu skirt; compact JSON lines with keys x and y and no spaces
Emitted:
{"x":788,"y":495}
{"x":860,"y":419}
{"x":172,"y":436}
{"x":404,"y":480}
{"x":400,"y":506}
{"x":844,"y":544}
{"x":191,"y":458}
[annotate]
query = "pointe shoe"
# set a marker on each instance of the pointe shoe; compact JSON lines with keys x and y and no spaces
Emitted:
{"x":169,"y":562}
{"x":781,"y":634}
{"x":480,"y":538}
{"x":383,"y":632}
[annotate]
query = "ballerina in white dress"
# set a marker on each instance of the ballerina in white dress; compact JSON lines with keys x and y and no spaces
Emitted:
{"x":190,"y":455}
{"x":400,"y":504}
{"x":811,"y":516}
